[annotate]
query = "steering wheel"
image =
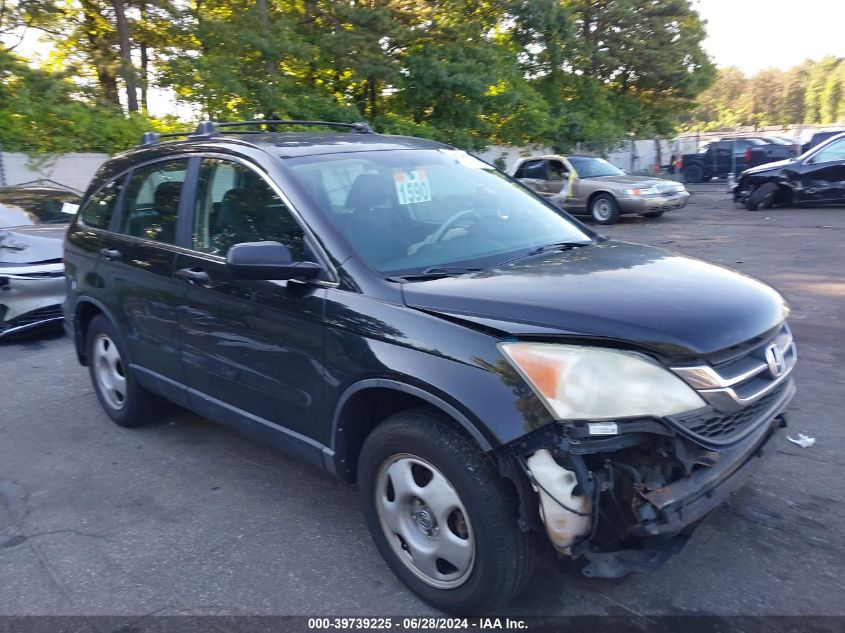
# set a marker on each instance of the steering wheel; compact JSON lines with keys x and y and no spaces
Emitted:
{"x":447,"y":225}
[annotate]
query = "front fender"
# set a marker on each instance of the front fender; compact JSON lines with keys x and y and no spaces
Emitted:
{"x":453,"y":366}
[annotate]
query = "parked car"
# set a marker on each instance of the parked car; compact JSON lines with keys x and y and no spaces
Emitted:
{"x":775,"y":149}
{"x":586,"y":185}
{"x":820,"y":137}
{"x":32,"y":231}
{"x":816,"y":177}
{"x":731,"y":155}
{"x":499,"y":380}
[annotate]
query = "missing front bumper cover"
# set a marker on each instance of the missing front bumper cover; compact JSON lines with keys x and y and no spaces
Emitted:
{"x":648,"y":491}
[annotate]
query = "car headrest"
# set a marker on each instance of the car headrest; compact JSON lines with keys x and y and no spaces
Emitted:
{"x":369,"y":190}
{"x":166,"y":197}
{"x":243,"y":199}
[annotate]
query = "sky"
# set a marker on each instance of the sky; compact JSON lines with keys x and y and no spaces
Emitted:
{"x":757,"y":34}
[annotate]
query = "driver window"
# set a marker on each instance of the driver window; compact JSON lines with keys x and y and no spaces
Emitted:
{"x":235,"y":204}
{"x":833,"y":152}
{"x":557,"y":171}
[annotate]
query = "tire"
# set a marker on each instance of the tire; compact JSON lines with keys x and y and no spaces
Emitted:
{"x":693,"y":174}
{"x":653,"y":214}
{"x":454,"y":497}
{"x":604,"y":210}
{"x":125,"y":401}
{"x":762,"y":197}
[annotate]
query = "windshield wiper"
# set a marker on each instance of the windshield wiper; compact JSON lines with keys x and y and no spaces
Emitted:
{"x":555,"y":246}
{"x":545,"y":248}
{"x":435,"y":272}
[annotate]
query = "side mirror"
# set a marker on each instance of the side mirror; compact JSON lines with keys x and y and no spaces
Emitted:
{"x":267,"y":260}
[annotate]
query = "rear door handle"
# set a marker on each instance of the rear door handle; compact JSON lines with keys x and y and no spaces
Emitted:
{"x":110,"y":253}
{"x":193,"y":275}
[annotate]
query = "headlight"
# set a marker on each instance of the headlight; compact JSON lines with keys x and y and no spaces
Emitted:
{"x":643,"y":191}
{"x":593,"y":383}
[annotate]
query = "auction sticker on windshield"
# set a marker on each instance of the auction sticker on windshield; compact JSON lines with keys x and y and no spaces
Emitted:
{"x":412,"y":186}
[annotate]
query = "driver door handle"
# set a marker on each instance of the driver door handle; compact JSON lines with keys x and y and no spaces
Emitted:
{"x":193,"y":275}
{"x":110,"y":253}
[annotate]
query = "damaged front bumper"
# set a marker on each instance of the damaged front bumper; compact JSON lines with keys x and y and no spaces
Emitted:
{"x":30,"y":296}
{"x":639,"y":492}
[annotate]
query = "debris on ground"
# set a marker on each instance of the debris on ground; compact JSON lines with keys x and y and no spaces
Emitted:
{"x":802,"y":440}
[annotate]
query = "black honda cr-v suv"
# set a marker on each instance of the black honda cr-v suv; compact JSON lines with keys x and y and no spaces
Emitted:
{"x":498,"y":379}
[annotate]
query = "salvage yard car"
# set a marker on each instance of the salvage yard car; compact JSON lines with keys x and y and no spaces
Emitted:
{"x":498,"y":380}
{"x":586,"y":185}
{"x":815,"y":177}
{"x":33,"y":221}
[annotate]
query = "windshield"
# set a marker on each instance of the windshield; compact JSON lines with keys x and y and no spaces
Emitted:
{"x":23,"y":207}
{"x":594,"y":167}
{"x":406,"y":211}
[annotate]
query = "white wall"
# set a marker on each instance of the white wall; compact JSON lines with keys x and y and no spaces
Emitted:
{"x":72,"y":170}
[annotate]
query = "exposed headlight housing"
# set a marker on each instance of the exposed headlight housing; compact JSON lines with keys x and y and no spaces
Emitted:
{"x":594,"y":383}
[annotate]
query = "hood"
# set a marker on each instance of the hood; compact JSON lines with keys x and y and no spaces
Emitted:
{"x":629,"y":180}
{"x":778,"y":164}
{"x":617,"y":291}
{"x":32,"y":244}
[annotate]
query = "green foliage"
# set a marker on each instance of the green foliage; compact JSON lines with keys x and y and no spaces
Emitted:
{"x":467,"y":72}
{"x":812,"y":92}
{"x":42,"y":112}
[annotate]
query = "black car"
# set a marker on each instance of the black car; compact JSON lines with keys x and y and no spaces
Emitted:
{"x":732,"y":155}
{"x":499,"y":380}
{"x":815,"y":177}
{"x":819,"y":137}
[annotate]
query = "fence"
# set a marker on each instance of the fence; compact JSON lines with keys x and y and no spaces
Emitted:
{"x":71,"y":170}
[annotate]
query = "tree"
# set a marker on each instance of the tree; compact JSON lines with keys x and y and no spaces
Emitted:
{"x":44,"y":112}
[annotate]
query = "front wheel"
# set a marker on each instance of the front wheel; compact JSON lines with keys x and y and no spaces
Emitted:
{"x":604,"y":209}
{"x":762,"y":197}
{"x":121,"y":396}
{"x":441,"y":516}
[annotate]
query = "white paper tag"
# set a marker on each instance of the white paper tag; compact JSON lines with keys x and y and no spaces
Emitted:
{"x":603,"y":428}
{"x":412,"y":186}
{"x":69,"y":208}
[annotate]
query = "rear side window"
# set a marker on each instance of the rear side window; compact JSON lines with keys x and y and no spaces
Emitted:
{"x":235,"y":204}
{"x":151,"y":203}
{"x":99,"y":209}
{"x":532,"y":169}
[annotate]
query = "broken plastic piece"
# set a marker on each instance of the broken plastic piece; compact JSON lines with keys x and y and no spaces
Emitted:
{"x":803,"y":441}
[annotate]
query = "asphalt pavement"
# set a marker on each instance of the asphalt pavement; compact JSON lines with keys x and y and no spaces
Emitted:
{"x":185,"y":517}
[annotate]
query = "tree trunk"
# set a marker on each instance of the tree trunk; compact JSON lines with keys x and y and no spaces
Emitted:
{"x":269,"y":62}
{"x":127,"y":69}
{"x":99,"y":52}
{"x":145,"y":63}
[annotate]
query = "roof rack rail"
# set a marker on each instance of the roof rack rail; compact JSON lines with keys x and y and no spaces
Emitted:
{"x":209,"y":128}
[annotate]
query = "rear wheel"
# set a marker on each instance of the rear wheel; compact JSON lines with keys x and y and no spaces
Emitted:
{"x":441,"y":516}
{"x":762,"y":197}
{"x":604,"y":209}
{"x":123,"y":398}
{"x":693,"y":173}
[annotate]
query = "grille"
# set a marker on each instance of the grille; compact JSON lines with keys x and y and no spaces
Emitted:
{"x":744,"y":375}
{"x":714,"y":425}
{"x":36,"y":316}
